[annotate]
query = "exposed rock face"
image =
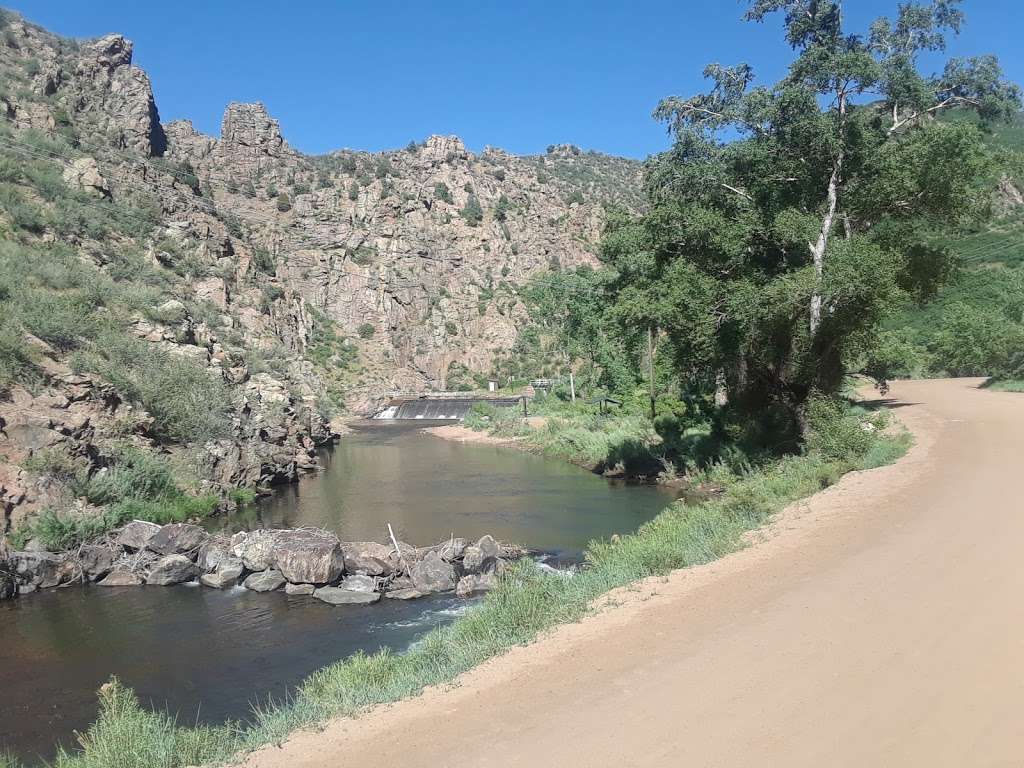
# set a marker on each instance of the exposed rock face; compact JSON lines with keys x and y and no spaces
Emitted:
{"x":172,"y":569}
{"x":432,"y":574}
{"x":306,"y":284}
{"x":85,"y":174}
{"x":299,"y":589}
{"x":119,"y":95}
{"x":177,"y":539}
{"x":308,"y":557}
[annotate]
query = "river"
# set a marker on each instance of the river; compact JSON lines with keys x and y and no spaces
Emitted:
{"x":208,"y":655}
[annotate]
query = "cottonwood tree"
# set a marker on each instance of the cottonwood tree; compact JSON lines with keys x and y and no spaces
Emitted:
{"x":787,"y":220}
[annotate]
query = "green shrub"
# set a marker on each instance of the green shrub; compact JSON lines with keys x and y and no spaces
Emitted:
{"x":16,"y":358}
{"x":471,"y":212}
{"x":24,"y":215}
{"x":501,"y":209}
{"x":187,"y":402}
{"x":835,"y":431}
{"x":283,"y":203}
{"x":63,"y":321}
{"x":443,"y":193}
{"x":366,"y":330}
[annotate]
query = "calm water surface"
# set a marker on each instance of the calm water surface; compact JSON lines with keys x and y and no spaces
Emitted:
{"x":208,"y":655}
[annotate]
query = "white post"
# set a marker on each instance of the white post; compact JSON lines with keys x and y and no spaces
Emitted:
{"x":572,"y":387}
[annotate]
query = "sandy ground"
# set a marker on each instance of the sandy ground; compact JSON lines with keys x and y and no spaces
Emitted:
{"x":879,"y":623}
{"x":460,"y":434}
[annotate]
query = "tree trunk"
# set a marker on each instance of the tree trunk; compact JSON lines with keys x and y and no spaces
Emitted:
{"x":819,"y":246}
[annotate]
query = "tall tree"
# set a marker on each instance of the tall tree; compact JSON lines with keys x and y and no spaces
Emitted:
{"x":794,"y":216}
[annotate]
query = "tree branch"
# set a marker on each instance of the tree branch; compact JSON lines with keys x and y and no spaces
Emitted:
{"x":944,"y":104}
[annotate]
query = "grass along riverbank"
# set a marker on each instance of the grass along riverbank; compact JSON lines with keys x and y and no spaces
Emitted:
{"x":525,"y":604}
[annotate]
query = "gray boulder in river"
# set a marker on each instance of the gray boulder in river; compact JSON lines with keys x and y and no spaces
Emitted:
{"x":177,"y":539}
{"x":120,"y":578}
{"x":481,"y":557}
{"x":137,"y":534}
{"x":95,"y":561}
{"x":370,"y":558}
{"x":227,"y":574}
{"x":264,"y":581}
{"x":172,"y":569}
{"x":254,"y":548}
{"x":432,"y":574}
{"x":308,"y":557}
{"x":339,"y":596}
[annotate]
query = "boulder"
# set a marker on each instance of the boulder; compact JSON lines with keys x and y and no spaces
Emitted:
{"x":177,"y":539}
{"x":308,"y":557}
{"x":481,"y":557}
{"x":254,"y":549}
{"x":137,"y":534}
{"x":84,"y":173}
{"x":404,"y":594}
{"x":452,"y":549}
{"x":370,"y":558}
{"x":120,"y":577}
{"x":172,"y":569}
{"x":339,"y":596}
{"x":40,"y":569}
{"x":299,"y":589}
{"x":223,"y":578}
{"x":8,"y":585}
{"x":212,"y":553}
{"x":359,"y":583}
{"x":432,"y":574}
{"x":264,"y":581}
{"x":480,"y":582}
{"x":95,"y":561}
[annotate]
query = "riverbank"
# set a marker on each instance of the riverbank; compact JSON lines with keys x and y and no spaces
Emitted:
{"x":621,"y":445}
{"x":526,"y":603}
{"x":844,"y":637}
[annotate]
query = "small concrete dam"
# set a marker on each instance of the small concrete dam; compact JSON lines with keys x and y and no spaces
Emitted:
{"x":439,"y":407}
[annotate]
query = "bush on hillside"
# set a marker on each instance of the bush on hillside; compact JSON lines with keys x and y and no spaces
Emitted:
{"x":187,"y":402}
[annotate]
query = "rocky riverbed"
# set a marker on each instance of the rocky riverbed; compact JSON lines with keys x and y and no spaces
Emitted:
{"x":301,"y":561}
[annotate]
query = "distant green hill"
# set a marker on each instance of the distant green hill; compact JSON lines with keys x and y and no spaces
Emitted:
{"x":975,"y":326}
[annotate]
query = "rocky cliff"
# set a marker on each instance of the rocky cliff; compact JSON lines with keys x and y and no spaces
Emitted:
{"x":301,"y":289}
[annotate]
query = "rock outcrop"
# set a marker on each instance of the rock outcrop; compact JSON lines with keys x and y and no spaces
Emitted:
{"x":309,"y":286}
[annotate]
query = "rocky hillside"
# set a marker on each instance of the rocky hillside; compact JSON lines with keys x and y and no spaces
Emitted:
{"x":185,"y":314}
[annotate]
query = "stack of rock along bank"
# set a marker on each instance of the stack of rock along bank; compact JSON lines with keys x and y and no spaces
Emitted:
{"x":300,"y":561}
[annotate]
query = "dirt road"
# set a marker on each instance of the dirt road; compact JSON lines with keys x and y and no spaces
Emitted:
{"x":880,"y":624}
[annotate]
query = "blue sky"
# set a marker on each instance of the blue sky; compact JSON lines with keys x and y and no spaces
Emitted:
{"x":517,"y":74}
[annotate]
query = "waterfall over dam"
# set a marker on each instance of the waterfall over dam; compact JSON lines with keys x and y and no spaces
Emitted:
{"x":439,"y":408}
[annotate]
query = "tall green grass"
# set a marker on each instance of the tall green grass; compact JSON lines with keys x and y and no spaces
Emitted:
{"x":526,"y":603}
